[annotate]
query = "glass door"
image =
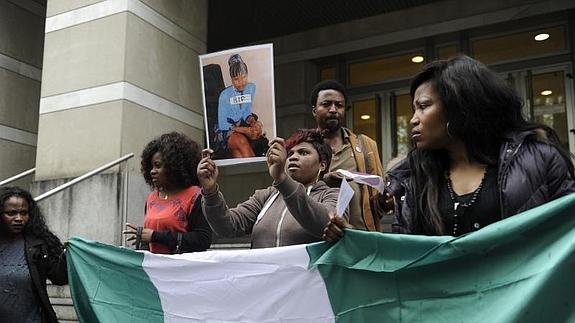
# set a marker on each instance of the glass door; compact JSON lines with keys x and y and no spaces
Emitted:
{"x":548,"y":96}
{"x":552,"y":104}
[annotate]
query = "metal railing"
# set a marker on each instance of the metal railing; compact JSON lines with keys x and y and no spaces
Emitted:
{"x":16,"y":177}
{"x":83,"y":177}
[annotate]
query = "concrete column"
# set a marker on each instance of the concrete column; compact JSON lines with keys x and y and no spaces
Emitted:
{"x":21,"y":42}
{"x":116,"y":74}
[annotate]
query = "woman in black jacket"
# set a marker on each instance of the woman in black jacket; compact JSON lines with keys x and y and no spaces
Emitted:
{"x":476,"y":160}
{"x":29,"y":253}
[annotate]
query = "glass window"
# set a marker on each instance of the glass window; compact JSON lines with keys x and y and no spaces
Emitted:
{"x":520,"y":45}
{"x":327,"y":73}
{"x":365,"y":116}
{"x":446,"y":52}
{"x":384,"y":69}
{"x":549,"y":103}
{"x":403,"y":113}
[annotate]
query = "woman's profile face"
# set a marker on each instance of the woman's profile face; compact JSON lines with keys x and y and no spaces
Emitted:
{"x":158,"y":172}
{"x":303,"y":163}
{"x":429,"y":122}
{"x":15,"y":215}
{"x":240,"y":81}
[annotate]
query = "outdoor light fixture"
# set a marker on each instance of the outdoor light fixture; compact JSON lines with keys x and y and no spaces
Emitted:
{"x":365,"y":117}
{"x":541,"y":37}
{"x":417,"y":59}
{"x":546,"y":92}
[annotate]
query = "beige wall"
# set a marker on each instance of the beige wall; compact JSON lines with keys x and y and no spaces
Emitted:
{"x":127,"y":50}
{"x":21,"y":41}
{"x":60,"y":6}
{"x":85,"y":55}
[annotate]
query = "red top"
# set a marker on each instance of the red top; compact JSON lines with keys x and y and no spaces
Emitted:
{"x":169,"y":214}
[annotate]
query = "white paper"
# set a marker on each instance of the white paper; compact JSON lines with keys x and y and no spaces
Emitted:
{"x":362,"y":178}
{"x":345,"y":195}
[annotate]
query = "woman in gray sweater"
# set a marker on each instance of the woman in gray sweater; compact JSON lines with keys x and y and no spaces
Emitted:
{"x":294,"y":210}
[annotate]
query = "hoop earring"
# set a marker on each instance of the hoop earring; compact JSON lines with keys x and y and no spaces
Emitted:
{"x":448,"y":132}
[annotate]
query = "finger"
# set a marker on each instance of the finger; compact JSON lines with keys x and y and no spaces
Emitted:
{"x":336,"y":224}
{"x":206,"y":153}
{"x":131,"y":226}
{"x":277,"y":140}
{"x":128,"y":232}
{"x":330,"y":236}
{"x":341,"y":223}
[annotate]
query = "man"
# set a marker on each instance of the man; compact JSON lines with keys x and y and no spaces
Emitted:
{"x":350,"y":151}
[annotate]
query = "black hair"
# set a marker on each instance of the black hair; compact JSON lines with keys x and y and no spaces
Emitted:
{"x":326,"y":85}
{"x":481,"y":108}
{"x":36,"y":224}
{"x":237,"y":66}
{"x":314,"y":137}
{"x":180,"y":156}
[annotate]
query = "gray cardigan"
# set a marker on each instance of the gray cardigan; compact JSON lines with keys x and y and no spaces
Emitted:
{"x":292,"y":218}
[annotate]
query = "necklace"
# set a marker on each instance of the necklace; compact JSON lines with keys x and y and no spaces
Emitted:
{"x":460,"y":207}
{"x":165,"y":197}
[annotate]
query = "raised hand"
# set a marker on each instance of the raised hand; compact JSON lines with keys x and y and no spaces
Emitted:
{"x":207,"y":172}
{"x":332,"y":179}
{"x":276,"y":159}
{"x":335,"y":228}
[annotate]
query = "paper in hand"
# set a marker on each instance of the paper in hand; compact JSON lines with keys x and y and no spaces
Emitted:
{"x":362,"y":178}
{"x":345,"y":195}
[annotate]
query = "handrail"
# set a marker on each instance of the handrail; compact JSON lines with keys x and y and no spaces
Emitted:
{"x":83,"y":177}
{"x":15,"y":177}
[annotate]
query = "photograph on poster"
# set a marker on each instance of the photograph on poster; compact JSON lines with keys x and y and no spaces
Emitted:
{"x":239,"y":105}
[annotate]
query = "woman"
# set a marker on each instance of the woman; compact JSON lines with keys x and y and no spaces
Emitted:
{"x":29,"y":254}
{"x":476,"y":159}
{"x":235,"y":106}
{"x":173,"y":221}
{"x":294,"y":210}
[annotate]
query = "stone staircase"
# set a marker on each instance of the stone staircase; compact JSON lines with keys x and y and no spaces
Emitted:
{"x":62,"y":303}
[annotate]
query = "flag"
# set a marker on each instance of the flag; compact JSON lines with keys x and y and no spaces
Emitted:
{"x":521,"y":269}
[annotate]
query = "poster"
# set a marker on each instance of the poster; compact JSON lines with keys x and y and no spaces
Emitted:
{"x":239,"y":105}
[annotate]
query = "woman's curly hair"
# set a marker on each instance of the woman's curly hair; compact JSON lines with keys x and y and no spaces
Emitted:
{"x":180,"y":156}
{"x":36,"y":224}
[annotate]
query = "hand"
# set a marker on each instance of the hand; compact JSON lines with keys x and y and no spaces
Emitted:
{"x":132,"y":229}
{"x":387,"y":202}
{"x":333,"y":179}
{"x":208,"y":173}
{"x":276,"y":159}
{"x":335,"y":228}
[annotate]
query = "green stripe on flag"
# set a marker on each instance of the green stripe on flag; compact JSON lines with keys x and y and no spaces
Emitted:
{"x":520,"y":269}
{"x":108,"y":284}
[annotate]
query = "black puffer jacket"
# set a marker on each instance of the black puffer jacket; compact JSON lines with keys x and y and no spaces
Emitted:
{"x":42,"y":265}
{"x":531,"y":172}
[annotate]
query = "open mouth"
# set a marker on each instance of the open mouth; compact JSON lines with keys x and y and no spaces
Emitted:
{"x":292,"y":167}
{"x":415,"y":135}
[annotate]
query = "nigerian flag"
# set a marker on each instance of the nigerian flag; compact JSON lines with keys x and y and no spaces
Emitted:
{"x":521,"y":269}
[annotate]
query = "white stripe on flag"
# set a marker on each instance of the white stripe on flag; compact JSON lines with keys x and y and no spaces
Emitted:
{"x":261,"y":285}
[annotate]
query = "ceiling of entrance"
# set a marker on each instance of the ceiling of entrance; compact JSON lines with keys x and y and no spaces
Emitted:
{"x":236,"y":23}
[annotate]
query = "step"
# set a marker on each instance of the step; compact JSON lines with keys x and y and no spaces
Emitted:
{"x":64,"y":309}
{"x":56,"y":291}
